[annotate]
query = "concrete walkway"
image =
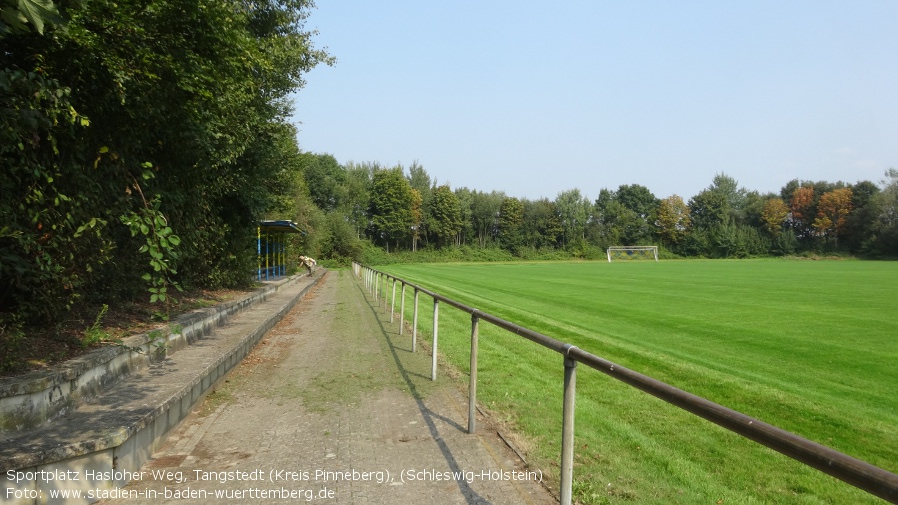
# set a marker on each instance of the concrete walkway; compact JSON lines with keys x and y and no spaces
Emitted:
{"x":333,"y":407}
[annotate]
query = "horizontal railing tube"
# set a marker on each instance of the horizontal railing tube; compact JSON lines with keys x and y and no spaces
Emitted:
{"x":856,"y":472}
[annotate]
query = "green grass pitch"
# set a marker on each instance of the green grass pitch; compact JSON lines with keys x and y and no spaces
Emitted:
{"x":809,"y":346}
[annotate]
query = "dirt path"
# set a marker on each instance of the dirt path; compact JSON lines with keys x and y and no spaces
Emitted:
{"x":333,"y":407}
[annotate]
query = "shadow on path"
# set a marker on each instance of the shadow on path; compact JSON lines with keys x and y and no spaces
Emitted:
{"x":470,"y":495}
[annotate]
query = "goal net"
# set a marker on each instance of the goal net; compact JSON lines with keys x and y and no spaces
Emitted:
{"x":636,"y":252}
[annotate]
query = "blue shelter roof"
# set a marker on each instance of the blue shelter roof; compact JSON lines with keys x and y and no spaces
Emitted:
{"x":282,"y":226}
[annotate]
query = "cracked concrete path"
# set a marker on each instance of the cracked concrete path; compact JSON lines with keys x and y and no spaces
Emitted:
{"x":333,"y":407}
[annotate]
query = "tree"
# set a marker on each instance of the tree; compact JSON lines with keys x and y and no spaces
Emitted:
{"x":465,"y":201}
{"x":673,"y":220}
{"x":573,"y":214}
{"x":626,"y":216}
{"x":832,"y":213}
{"x":326,"y":180}
{"x":418,"y":220}
{"x":511,"y":220}
{"x":392,"y":207}
{"x":886,"y":210}
{"x":802,"y":209}
{"x":859,"y":233}
{"x":709,"y":209}
{"x":734,"y":197}
{"x":444,"y":215}
{"x":637,"y":198}
{"x":774,"y":216}
{"x":357,"y":195}
{"x":485,"y":211}
{"x":542,"y":227}
{"x":419,"y":179}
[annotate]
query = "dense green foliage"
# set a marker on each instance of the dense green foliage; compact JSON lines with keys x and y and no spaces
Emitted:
{"x":141,"y":143}
{"x":805,"y":345}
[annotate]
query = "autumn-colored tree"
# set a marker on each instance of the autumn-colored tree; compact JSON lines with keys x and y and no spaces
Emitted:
{"x":801,"y":206}
{"x":832,"y":213}
{"x":673,"y":220}
{"x":774,"y":214}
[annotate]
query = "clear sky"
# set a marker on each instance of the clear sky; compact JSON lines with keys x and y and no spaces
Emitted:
{"x":535,"y":98}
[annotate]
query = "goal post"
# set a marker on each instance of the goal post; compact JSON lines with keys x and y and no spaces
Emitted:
{"x":633,"y":252}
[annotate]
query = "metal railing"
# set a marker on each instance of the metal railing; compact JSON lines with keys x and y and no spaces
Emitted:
{"x":853,"y":471}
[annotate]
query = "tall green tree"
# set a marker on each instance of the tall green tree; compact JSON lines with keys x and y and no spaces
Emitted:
{"x":573,"y":214}
{"x":485,"y":212}
{"x":886,"y":211}
{"x":630,"y":213}
{"x":444,"y":215}
{"x":326,"y":180}
{"x":859,"y":232}
{"x":391,"y":208}
{"x":510,"y":225}
{"x":709,"y":210}
{"x":358,"y":194}
{"x":735,"y":197}
{"x":542,"y":226}
{"x":465,"y":201}
{"x":420,"y":181}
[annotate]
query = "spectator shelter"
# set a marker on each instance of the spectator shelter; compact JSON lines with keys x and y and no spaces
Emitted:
{"x":271,"y":246}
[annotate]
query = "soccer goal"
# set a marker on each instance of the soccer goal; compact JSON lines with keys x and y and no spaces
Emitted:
{"x":633,"y":252}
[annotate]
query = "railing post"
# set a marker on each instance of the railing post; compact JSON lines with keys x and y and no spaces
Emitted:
{"x":436,"y":327}
{"x":472,"y":385}
{"x":393,"y":302}
{"x":415,"y":323}
{"x":567,"y":428}
{"x":402,"y":309}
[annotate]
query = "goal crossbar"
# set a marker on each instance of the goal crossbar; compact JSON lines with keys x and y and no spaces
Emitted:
{"x":633,"y":249}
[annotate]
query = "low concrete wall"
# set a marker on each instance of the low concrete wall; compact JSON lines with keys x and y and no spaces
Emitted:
{"x":29,"y":401}
{"x":108,"y":459}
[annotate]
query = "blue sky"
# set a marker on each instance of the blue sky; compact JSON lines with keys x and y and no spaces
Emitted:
{"x":534,"y":98}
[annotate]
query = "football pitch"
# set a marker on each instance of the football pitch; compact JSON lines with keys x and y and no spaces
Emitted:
{"x":808,"y":346}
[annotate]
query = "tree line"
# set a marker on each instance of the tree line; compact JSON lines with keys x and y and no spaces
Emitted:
{"x":398,"y":209}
